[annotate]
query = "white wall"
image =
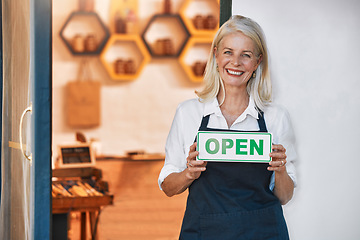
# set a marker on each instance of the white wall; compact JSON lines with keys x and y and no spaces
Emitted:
{"x":314,"y":48}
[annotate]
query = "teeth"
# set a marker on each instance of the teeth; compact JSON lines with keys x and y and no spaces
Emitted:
{"x":234,"y":73}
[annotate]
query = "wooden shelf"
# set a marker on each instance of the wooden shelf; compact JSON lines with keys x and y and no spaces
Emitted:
{"x":124,"y":46}
{"x":84,"y":23}
{"x":65,"y":204}
{"x":191,"y":8}
{"x":165,"y":26}
{"x":196,"y":49}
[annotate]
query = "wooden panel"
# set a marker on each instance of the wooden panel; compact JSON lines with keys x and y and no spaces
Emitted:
{"x":67,"y":204}
{"x":77,"y":172}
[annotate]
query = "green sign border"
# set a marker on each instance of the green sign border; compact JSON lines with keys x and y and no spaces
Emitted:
{"x":233,"y":160}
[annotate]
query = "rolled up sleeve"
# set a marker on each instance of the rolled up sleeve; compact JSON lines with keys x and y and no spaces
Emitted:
{"x":285,"y":136}
{"x":175,"y":160}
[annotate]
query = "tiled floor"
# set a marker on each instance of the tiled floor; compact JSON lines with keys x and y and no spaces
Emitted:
{"x":140,"y":211}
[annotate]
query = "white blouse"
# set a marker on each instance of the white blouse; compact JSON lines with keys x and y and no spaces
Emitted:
{"x":187,"y":122}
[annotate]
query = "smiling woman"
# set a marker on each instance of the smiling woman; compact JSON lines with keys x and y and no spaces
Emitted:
{"x":232,"y":200}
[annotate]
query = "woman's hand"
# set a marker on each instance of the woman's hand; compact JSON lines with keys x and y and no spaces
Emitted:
{"x":278,"y":158}
{"x":194,"y":167}
{"x":177,"y":183}
{"x":284,"y":186}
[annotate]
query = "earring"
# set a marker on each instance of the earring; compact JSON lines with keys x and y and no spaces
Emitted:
{"x":254,"y":74}
{"x":217,"y":68}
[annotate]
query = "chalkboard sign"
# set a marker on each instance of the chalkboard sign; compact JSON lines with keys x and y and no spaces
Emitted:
{"x":79,"y":155}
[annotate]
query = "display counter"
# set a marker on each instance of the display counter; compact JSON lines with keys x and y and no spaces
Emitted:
{"x":80,"y":190}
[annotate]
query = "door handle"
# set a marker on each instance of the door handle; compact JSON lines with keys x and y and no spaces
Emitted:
{"x":28,"y":109}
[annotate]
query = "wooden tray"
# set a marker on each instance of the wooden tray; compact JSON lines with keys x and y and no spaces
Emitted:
{"x":67,"y":204}
{"x":90,"y":203}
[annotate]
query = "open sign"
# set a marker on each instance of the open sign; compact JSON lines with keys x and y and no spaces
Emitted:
{"x":234,"y":146}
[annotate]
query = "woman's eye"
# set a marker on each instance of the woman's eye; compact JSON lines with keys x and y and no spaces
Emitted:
{"x":227,"y":52}
{"x":246,"y":55}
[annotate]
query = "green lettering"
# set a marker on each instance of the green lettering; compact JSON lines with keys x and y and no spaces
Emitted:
{"x":207,"y":146}
{"x":239,"y":146}
{"x":226,"y":143}
{"x":259,"y":148}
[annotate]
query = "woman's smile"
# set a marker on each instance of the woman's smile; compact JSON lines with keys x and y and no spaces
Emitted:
{"x":234,"y":72}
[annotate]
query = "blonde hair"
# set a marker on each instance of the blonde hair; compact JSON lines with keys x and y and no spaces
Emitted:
{"x":258,"y":87}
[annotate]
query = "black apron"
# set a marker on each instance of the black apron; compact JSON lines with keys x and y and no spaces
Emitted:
{"x":232,"y":201}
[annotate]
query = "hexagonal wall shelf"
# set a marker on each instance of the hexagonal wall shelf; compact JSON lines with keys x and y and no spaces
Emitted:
{"x":194,"y":57}
{"x":84,"y":33}
{"x":122,"y":50}
{"x":165,"y":35}
{"x":201,"y":17}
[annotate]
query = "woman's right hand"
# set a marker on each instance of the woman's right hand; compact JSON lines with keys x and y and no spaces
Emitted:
{"x":194,"y":167}
{"x":178,"y":182}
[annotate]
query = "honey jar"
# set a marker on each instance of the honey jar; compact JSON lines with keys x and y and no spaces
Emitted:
{"x":90,"y":43}
{"x":130,"y":67}
{"x":168,"y":46}
{"x":119,"y":66}
{"x":167,"y":6}
{"x":78,"y":43}
{"x":210,"y":22}
{"x":120,"y":24}
{"x":198,"y":22}
{"x":86,"y":5}
{"x":198,"y":68}
{"x":82,"y":5}
{"x":159,"y":47}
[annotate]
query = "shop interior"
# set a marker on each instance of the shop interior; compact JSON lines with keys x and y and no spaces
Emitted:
{"x":120,"y":68}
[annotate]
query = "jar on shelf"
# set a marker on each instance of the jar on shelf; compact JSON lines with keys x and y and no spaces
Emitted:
{"x":167,"y":6}
{"x":130,"y":21}
{"x":82,"y":5}
{"x":86,"y":5}
{"x":159,"y":47}
{"x":90,"y":43}
{"x":119,"y":66}
{"x":78,"y":44}
{"x":198,"y":68}
{"x":168,"y":46}
{"x":198,"y":22}
{"x":130,"y":67}
{"x":210,"y":22}
{"x":120,"y":24}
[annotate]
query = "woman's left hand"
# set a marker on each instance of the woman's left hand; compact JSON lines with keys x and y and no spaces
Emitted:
{"x":278,"y":156}
{"x":284,"y":186}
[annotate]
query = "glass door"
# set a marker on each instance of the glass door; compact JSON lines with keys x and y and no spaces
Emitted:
{"x":25,"y":210}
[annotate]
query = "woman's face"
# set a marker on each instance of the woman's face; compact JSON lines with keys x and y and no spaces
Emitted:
{"x":236,"y":59}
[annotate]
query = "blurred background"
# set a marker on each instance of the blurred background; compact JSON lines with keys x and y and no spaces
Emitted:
{"x":120,"y":68}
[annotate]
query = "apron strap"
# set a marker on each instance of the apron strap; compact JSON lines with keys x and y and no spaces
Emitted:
{"x":203,"y":125}
{"x":204,"y":122}
{"x":261,"y":122}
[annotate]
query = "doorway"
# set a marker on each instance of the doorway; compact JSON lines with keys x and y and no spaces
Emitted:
{"x":26,"y":116}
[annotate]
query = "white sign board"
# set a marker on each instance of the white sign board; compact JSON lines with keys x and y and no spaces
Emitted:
{"x":234,"y":146}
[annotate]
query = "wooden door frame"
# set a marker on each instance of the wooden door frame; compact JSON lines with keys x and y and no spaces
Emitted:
{"x":225,"y":10}
{"x":1,"y":88}
{"x":41,"y":11}
{"x":42,"y":117}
